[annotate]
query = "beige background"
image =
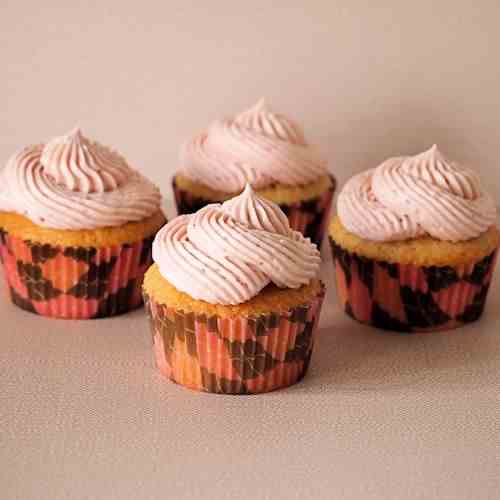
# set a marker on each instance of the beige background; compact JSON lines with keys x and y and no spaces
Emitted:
{"x":83,"y":413}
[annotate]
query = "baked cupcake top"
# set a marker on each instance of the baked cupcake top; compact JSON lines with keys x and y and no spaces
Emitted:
{"x":258,"y":147}
{"x":74,"y":183}
{"x":227,"y":253}
{"x":414,"y":196}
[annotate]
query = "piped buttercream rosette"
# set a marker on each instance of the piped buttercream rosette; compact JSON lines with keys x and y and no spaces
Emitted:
{"x":74,"y":183}
{"x":413,"y":196}
{"x":258,"y":147}
{"x":227,"y":253}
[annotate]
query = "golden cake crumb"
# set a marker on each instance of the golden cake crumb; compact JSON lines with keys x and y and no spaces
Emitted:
{"x":279,"y":193}
{"x":271,"y":299}
{"x":425,"y":251}
{"x":22,"y":227}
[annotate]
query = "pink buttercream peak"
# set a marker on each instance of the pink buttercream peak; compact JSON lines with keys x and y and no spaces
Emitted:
{"x":226,"y":254}
{"x":258,"y":108}
{"x":74,"y":135}
{"x":258,"y":146}
{"x":73,"y":183}
{"x":257,"y":212}
{"x":260,"y":118}
{"x":412,"y":196}
{"x":78,"y":164}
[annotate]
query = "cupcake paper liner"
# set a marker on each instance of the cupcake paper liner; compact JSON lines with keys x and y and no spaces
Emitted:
{"x":234,"y":355}
{"x":309,"y":217}
{"x":74,"y":282}
{"x":408,"y":298}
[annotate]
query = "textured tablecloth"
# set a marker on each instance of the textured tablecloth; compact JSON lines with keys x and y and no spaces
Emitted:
{"x":84,"y":414}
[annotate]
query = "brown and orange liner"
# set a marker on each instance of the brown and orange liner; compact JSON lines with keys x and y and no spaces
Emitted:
{"x":410,"y":298}
{"x":74,"y":282}
{"x":234,"y":355}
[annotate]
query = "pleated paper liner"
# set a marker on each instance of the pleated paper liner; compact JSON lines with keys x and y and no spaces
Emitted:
{"x":75,"y":282}
{"x":234,"y":355}
{"x":308,"y":217}
{"x":408,"y":298}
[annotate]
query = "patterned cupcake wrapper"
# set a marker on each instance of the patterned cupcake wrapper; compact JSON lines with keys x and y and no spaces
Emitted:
{"x":309,"y":217}
{"x":408,"y":298}
{"x":234,"y":355}
{"x":74,"y":282}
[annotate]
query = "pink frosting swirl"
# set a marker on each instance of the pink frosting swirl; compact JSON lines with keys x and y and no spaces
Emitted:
{"x":412,"y":196}
{"x":226,"y":254}
{"x":73,"y":183}
{"x":257,"y":147}
{"x":84,"y":166}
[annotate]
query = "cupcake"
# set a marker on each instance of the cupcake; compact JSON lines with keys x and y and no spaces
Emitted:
{"x":76,"y":229}
{"x":268,"y":151}
{"x":233,"y":298}
{"x":414,"y":244}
